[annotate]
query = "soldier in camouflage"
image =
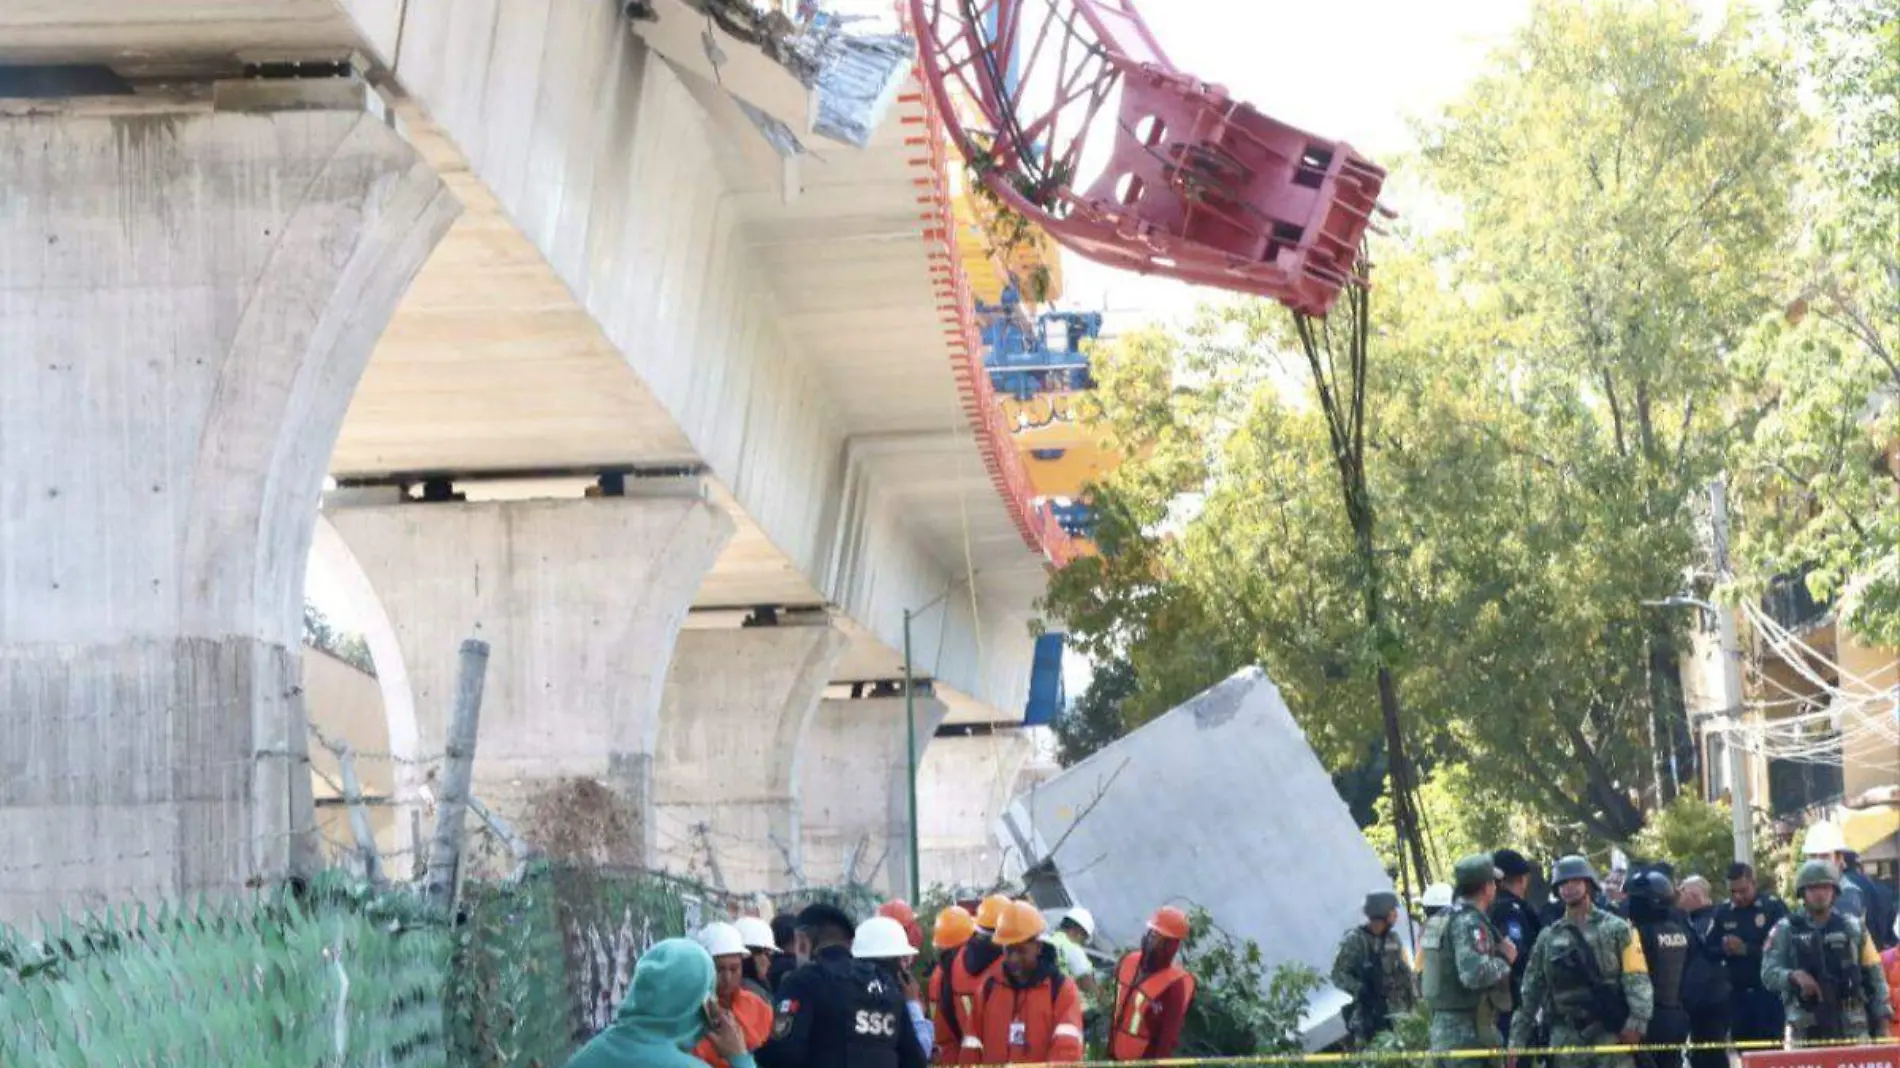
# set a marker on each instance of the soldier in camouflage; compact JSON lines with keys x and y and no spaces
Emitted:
{"x":1587,"y":976}
{"x":1822,"y":963}
{"x":1373,"y":967}
{"x":1465,"y":965}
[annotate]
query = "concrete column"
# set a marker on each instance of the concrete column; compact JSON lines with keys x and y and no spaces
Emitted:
{"x":187,"y":298}
{"x":580,"y":601}
{"x":964,"y":786}
{"x":738,"y":706}
{"x":854,"y":795}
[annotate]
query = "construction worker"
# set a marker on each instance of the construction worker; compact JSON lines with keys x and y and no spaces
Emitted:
{"x":898,"y":909}
{"x":1825,"y":842}
{"x":1465,"y":965}
{"x":1152,"y":992}
{"x":1372,"y":966}
{"x":1028,"y":1012}
{"x":883,"y":941}
{"x":729,"y":954}
{"x":761,"y":944}
{"x":954,"y":928}
{"x":1587,"y":975}
{"x":1072,"y":938}
{"x":835,"y":1009}
{"x":965,"y":974}
{"x":1823,"y":964}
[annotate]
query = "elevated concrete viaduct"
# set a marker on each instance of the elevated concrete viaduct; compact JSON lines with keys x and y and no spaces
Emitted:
{"x":654,"y":377}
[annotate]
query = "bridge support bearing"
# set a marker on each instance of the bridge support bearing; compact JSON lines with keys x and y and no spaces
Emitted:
{"x":854,"y":792}
{"x":738,"y":710}
{"x":187,"y":299}
{"x":581,"y":602}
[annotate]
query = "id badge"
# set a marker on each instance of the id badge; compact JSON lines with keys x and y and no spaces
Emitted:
{"x":1018,"y":1033}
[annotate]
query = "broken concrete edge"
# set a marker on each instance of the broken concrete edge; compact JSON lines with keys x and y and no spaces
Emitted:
{"x":853,"y":78}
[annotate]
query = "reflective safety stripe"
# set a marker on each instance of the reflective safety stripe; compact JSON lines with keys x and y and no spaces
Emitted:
{"x":969,"y":1004}
{"x":1868,"y":957}
{"x":972,"y":1042}
{"x":1069,"y":1031}
{"x":1134,"y":1018}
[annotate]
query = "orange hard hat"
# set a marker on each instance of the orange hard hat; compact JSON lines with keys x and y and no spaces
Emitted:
{"x":897,"y":909}
{"x":990,"y":912}
{"x":954,"y":927}
{"x":1021,"y":922}
{"x":1170,"y":922}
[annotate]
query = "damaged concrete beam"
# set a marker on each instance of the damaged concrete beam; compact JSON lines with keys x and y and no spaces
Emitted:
{"x":822,"y":77}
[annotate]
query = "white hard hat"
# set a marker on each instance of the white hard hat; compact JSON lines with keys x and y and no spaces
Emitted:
{"x":881,"y":938}
{"x":756,"y":933}
{"x":1082,"y":918}
{"x":722,"y":940}
{"x":1824,"y":839}
{"x":1437,"y":896}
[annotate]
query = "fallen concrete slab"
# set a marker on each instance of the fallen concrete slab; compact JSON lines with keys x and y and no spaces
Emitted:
{"x":1222,"y":804}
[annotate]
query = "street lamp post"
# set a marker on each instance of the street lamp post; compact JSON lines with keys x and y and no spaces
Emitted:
{"x":910,"y":741}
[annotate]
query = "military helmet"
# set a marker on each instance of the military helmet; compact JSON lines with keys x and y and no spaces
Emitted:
{"x":1816,"y":873}
{"x":1572,"y":867}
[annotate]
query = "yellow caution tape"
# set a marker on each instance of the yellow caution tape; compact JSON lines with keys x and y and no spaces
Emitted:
{"x":1401,"y":1056}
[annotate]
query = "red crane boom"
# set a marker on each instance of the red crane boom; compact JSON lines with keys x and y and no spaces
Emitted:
{"x":1195,"y":185}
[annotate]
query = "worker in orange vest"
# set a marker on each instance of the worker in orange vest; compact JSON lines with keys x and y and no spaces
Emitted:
{"x":964,"y":975}
{"x":953,"y":928}
{"x":728,"y":949}
{"x":1152,"y":992}
{"x":1029,"y":1012}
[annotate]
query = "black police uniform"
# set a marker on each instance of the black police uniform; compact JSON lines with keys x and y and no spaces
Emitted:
{"x":1516,"y":920}
{"x":838,"y":1012}
{"x":1706,"y":993}
{"x":1755,"y":1014}
{"x":1669,"y":944}
{"x":1880,"y":906}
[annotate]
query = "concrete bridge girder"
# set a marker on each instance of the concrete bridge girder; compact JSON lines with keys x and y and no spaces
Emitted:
{"x":187,"y":298}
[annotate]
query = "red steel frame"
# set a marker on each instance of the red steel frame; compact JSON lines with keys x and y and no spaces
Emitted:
{"x":956,"y":307}
{"x":1198,"y":187}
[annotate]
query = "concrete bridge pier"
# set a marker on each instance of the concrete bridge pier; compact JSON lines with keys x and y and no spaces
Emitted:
{"x":854,"y":790}
{"x":581,"y":601}
{"x":189,"y":291}
{"x":727,"y":772}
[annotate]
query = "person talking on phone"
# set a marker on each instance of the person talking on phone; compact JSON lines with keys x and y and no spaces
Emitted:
{"x":836,"y":1011}
{"x":669,"y":1008}
{"x":754,"y":1013}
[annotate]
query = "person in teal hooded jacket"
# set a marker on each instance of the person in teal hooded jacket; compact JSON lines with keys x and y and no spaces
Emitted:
{"x":664,"y":1015}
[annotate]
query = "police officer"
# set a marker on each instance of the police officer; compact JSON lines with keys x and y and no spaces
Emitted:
{"x":1705,"y":984}
{"x":1822,"y":963}
{"x":1514,"y":918}
{"x":1740,"y":928}
{"x":1465,"y":965}
{"x":1587,"y":975}
{"x":836,"y":1010}
{"x":1669,"y":947}
{"x":1371,"y":965}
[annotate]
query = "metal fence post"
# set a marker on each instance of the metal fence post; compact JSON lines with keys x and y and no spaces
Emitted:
{"x":458,"y":769}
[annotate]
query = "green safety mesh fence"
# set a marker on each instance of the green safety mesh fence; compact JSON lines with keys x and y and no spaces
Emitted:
{"x":524,"y":972}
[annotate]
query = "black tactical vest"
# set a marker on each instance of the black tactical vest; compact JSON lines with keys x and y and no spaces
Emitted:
{"x":1667,"y":943}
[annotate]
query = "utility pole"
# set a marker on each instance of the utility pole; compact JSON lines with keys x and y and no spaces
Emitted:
{"x":1741,"y":804}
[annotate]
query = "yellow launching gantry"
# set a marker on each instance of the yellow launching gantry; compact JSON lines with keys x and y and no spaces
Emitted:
{"x":1037,"y":358}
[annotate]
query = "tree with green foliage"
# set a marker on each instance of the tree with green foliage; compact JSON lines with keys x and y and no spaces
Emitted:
{"x":1693,"y":835}
{"x":1095,"y":719}
{"x":1819,"y":484}
{"x":1542,"y":401}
